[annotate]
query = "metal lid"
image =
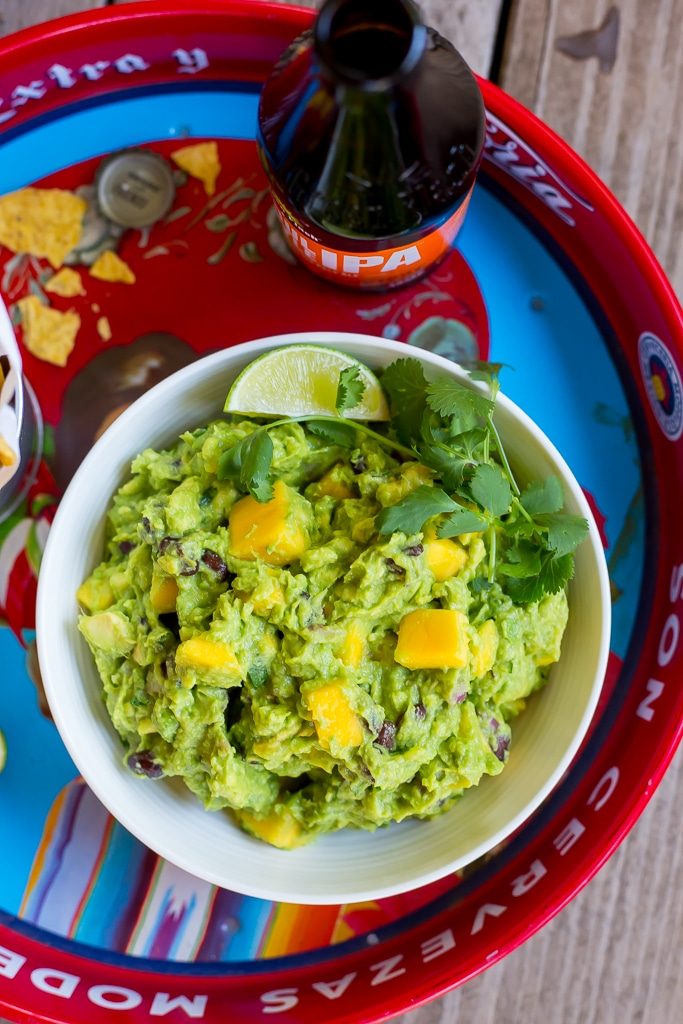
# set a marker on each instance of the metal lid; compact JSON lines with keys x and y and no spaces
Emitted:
{"x":135,"y":188}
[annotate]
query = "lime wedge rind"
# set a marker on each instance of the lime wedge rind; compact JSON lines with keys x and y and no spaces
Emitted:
{"x":301,"y":380}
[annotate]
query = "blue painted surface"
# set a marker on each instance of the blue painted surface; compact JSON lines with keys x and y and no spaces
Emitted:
{"x":563,"y":378}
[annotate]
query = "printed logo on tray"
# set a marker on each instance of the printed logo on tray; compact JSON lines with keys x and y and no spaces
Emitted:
{"x":511,"y":153}
{"x":663,"y":384}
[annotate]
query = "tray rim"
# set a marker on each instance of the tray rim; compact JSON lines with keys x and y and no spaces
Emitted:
{"x":546,"y":140}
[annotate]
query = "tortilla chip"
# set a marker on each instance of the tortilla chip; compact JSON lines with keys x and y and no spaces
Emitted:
{"x":201,"y":161}
{"x":8,"y":456}
{"x":67,"y":283}
{"x":48,"y":334}
{"x":42,"y":221}
{"x":110,"y":267}
{"x":104,"y":328}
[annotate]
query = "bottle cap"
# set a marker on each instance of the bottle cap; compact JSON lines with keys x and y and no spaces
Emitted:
{"x":135,"y":188}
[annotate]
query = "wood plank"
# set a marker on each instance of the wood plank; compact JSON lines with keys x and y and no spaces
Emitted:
{"x":626,"y":122}
{"x":612,"y":955}
{"x":17,"y":14}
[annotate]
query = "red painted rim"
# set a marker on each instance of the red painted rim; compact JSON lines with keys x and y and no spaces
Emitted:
{"x":367,"y":985}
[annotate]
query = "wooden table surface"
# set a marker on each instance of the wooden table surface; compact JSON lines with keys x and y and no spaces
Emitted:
{"x":609,"y":78}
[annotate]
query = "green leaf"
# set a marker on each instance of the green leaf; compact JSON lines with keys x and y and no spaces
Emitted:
{"x":464,"y":405}
{"x":451,"y":468}
{"x":480,"y":584}
{"x":248,"y":464}
{"x":410,"y":514}
{"x":405,"y":383}
{"x":543,"y":496}
{"x":478,"y":369}
{"x":490,"y":488}
{"x":523,"y":560}
{"x":463,"y":520}
{"x":555,"y":573}
{"x":257,"y":455}
{"x":343,"y":434}
{"x":350,"y":389}
{"x":565,"y":532}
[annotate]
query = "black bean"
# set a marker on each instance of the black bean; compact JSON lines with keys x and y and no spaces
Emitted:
{"x":164,"y":669}
{"x":126,"y":546}
{"x":143,"y":763}
{"x":166,"y":542}
{"x":414,"y":550}
{"x":305,"y":596}
{"x":190,"y":569}
{"x":387,"y":735}
{"x":147,"y":526}
{"x":359,"y":465}
{"x":420,"y":712}
{"x":216,"y":564}
{"x":502,"y":747}
{"x":394,"y":568}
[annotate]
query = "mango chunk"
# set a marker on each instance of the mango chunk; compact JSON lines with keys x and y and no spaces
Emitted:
{"x":268,"y":530}
{"x":334,"y":717}
{"x":163,"y":594}
{"x":205,"y":659}
{"x":445,"y":558}
{"x":411,"y":476}
{"x":484,"y":649}
{"x":200,"y":652}
{"x":279,"y":829}
{"x":95,"y":595}
{"x":432,"y":638}
{"x":354,"y":646}
{"x":331,"y":486}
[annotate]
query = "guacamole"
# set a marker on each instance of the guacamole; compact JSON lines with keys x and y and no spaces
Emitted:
{"x":289,"y":662}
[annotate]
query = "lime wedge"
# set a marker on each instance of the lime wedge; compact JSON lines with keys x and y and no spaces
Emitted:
{"x":301,"y":380}
{"x":3,"y":750}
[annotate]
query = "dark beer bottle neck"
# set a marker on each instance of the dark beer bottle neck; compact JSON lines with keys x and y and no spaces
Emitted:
{"x":369,"y":44}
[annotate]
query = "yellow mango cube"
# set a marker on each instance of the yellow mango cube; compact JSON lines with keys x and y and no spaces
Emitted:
{"x":432,"y":638}
{"x":267,"y":530}
{"x":279,"y":829}
{"x":334,"y":717}
{"x":445,"y":558}
{"x":329,"y":485}
{"x":163,"y":594}
{"x":354,"y":646}
{"x":95,"y":595}
{"x":202,"y":655}
{"x":484,"y":649}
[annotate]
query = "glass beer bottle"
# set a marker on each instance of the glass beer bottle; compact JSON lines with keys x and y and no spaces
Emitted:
{"x":371,"y":129}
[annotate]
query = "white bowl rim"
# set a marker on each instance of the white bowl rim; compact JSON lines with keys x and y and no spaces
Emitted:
{"x":67,"y":514}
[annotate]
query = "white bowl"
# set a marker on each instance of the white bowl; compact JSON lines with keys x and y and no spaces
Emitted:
{"x":347,"y":866}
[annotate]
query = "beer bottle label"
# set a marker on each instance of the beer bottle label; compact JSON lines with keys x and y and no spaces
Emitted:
{"x":377,"y":268}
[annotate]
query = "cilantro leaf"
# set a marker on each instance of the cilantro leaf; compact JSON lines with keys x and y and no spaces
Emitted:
{"x":405,"y":383}
{"x":463,"y":405}
{"x":480,"y":584}
{"x":565,"y":532}
{"x":410,"y":514}
{"x":478,"y":369}
{"x":350,"y":389}
{"x":554,"y":574}
{"x":463,"y":520}
{"x":490,"y":488}
{"x":543,"y":496}
{"x":343,"y":434}
{"x":523,"y":559}
{"x":256,"y":457}
{"x":450,"y":468}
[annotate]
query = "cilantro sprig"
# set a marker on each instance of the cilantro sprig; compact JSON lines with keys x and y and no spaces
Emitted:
{"x":449,"y":427}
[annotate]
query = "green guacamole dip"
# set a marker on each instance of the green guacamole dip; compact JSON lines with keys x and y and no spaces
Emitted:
{"x":277,"y":656}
